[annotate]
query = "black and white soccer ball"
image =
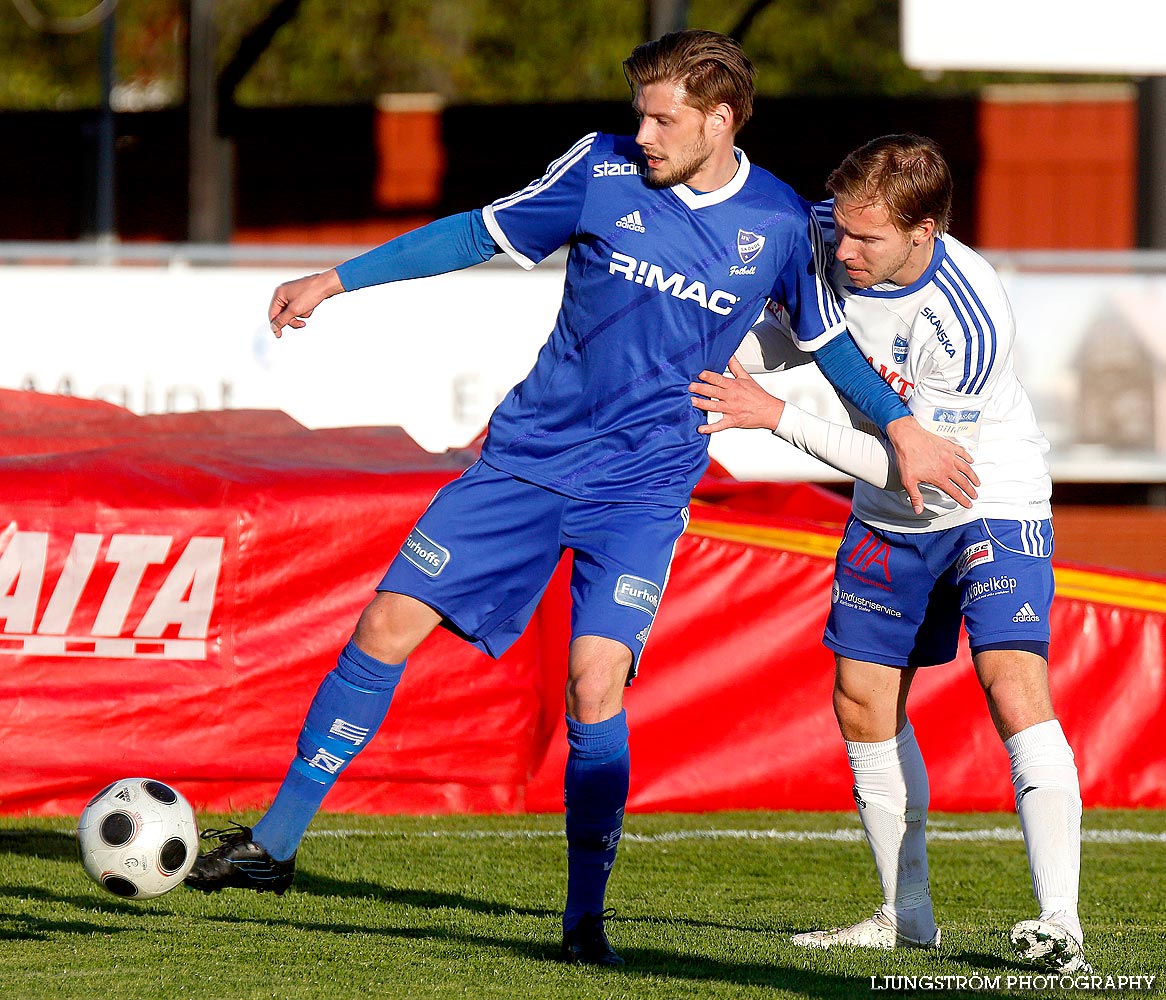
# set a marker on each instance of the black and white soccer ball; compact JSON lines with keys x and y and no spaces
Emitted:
{"x":138,"y":838}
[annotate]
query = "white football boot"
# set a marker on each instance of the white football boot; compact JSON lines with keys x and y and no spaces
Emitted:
{"x":878,"y":931}
{"x":1052,"y":941}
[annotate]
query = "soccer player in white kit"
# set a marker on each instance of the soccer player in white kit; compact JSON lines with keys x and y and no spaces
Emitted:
{"x":933,"y":318}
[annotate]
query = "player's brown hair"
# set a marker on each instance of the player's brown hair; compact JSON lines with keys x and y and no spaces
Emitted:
{"x":711,"y":67}
{"x":907,"y":173}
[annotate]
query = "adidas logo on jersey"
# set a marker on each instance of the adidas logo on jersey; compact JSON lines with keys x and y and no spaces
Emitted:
{"x":1026,"y":614}
{"x":632,"y":222}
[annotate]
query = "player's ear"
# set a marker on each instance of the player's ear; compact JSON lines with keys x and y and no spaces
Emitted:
{"x":923,"y":232}
{"x":720,"y":120}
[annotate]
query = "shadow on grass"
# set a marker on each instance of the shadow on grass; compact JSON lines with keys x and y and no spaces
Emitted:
{"x":50,"y":845}
{"x":426,"y":899}
{"x":21,"y":923}
{"x":26,"y":926}
{"x":650,"y":962}
{"x":985,"y":964}
{"x":641,"y":962}
{"x":99,"y":901}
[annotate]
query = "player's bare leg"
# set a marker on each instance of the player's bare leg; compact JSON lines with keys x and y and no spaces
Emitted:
{"x":597,"y":674}
{"x":595,"y":790}
{"x":1048,"y":801}
{"x":892,"y":794}
{"x":393,"y":625}
{"x":348,"y":708}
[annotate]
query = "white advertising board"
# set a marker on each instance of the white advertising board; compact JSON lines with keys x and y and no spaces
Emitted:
{"x":1053,"y":36}
{"x":434,"y":356}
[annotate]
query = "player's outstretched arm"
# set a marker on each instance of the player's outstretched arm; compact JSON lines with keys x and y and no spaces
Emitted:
{"x":293,"y":301}
{"x":744,"y":403}
{"x":448,"y":244}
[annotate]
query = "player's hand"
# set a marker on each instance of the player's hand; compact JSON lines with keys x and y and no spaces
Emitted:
{"x":294,"y":301}
{"x":924,"y":457}
{"x":739,"y":399}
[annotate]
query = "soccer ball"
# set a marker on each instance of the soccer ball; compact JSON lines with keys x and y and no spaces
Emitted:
{"x":138,"y":838}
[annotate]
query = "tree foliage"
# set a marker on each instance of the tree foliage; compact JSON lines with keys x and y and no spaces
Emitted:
{"x":470,"y":51}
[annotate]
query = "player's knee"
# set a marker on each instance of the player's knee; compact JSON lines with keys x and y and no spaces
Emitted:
{"x":857,"y":717}
{"x":853,"y":699}
{"x":392,"y":626}
{"x":596,"y":676}
{"x":865,"y":717}
{"x":1015,"y":705}
{"x":846,"y":709}
{"x":1016,"y":687}
{"x":592,"y":698}
{"x":595,"y":695}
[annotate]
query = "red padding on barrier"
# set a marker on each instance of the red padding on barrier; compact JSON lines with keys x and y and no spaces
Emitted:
{"x":173,"y":588}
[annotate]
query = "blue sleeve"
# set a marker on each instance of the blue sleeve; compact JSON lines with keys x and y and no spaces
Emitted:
{"x":815,"y":313}
{"x":448,"y":244}
{"x":842,"y":363}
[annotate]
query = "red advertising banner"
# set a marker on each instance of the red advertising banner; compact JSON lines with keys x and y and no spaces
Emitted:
{"x":173,"y":588}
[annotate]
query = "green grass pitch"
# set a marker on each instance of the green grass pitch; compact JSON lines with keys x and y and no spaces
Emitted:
{"x":469,"y":906}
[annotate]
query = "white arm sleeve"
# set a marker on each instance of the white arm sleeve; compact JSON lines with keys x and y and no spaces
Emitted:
{"x":840,"y":446}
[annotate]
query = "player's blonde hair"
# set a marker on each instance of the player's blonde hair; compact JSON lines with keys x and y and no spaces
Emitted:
{"x":907,"y":173}
{"x":711,"y":67}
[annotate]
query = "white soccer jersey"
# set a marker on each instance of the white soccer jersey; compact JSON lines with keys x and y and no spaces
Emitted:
{"x":944,"y":343}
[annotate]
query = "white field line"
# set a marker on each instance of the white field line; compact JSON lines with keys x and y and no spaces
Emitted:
{"x":996,"y":833}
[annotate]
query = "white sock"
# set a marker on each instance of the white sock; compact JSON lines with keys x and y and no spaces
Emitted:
{"x":1048,"y":801}
{"x":892,"y":794}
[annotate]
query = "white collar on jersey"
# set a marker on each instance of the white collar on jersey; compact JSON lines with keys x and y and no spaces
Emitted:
{"x":702,"y":199}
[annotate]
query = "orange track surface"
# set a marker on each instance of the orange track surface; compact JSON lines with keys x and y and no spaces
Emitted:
{"x":1128,"y":538}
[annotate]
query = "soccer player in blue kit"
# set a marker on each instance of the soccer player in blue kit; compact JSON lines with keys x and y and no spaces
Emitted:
{"x":934,"y":316}
{"x":675,"y":243}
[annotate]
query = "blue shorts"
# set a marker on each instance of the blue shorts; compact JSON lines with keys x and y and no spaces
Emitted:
{"x":898,"y":599}
{"x":483,"y":552}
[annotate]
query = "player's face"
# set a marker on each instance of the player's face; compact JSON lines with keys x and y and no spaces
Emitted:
{"x":673,"y":135}
{"x":873,"y":249}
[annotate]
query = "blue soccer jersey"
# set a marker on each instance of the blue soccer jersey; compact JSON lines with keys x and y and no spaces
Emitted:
{"x":661,"y":284}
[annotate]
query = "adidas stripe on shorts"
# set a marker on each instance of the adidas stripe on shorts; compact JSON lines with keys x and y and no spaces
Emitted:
{"x":898,"y":599}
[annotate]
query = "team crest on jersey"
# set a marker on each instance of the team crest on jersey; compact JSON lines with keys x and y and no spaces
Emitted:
{"x":748,"y":245}
{"x":899,"y":349}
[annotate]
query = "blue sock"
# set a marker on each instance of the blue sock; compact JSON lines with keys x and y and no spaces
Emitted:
{"x":349,"y":707}
{"x":595,"y":791}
